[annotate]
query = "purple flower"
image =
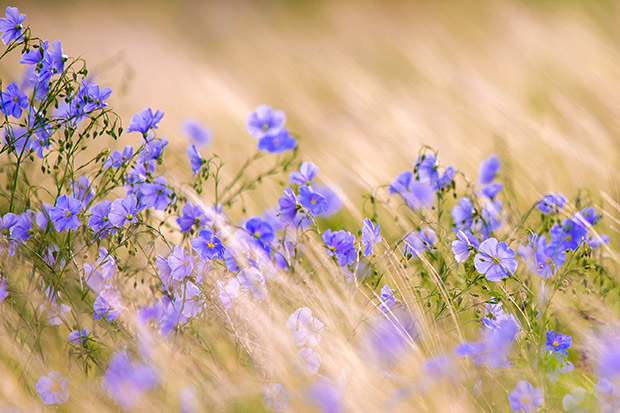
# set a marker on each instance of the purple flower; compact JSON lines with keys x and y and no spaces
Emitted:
{"x":229,"y":292}
{"x":108,"y":305}
{"x":314,"y":201}
{"x":495,"y":344}
{"x":53,"y":63}
{"x":11,"y":26}
{"x":265,"y":121}
{"x":588,"y":216}
{"x":99,"y":220}
{"x":195,"y":161}
{"x":4,"y":292}
{"x":492,"y":190}
{"x":252,"y":282}
{"x":79,"y":336}
{"x":388,"y":301}
{"x":192,"y":216}
{"x":277,"y":143}
{"x":276,"y":397}
{"x":334,"y":204}
{"x":309,"y":360}
{"x":416,"y":194}
{"x":558,"y":343}
{"x":208,"y":246}
{"x":144,"y":121}
{"x":12,"y":102}
{"x":181,"y":264}
{"x":123,"y":211}
{"x":495,"y":260}
{"x":525,"y":397}
{"x":288,"y":206}
{"x":370,"y":235}
{"x":261,"y":231}
{"x":489,"y":169}
{"x":465,"y":243}
{"x":549,"y":257}
{"x":551,"y":203}
{"x":82,"y":190}
{"x":53,"y":388}
{"x":21,"y":229}
{"x":306,"y":329}
{"x":64,"y":214}
{"x":388,"y":337}
{"x":127,"y":381}
{"x":463,"y":213}
{"x":326,"y":396}
{"x":340,"y":244}
{"x":417,"y":244}
{"x":117,"y":159}
{"x":155,"y":195}
{"x":567,"y":236}
{"x":495,"y":315}
{"x":198,"y":133}
{"x":305,"y":175}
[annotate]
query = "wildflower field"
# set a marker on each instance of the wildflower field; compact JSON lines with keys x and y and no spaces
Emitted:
{"x":137,"y":276}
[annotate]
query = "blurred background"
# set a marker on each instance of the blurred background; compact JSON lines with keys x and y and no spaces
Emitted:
{"x":365,"y":84}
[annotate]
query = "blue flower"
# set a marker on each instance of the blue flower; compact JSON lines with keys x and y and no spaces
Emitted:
{"x":265,"y":121}
{"x":305,"y":327}
{"x":64,"y":214}
{"x":181,"y":264}
{"x":127,"y":381}
{"x":276,"y":397}
{"x":4,"y":292}
{"x":416,"y":194}
{"x":525,"y":397}
{"x":463,"y":213}
{"x":11,"y":26}
{"x":492,"y":190}
{"x":549,"y":257}
{"x":79,"y":336}
{"x":123,"y":211}
{"x":388,"y":301}
{"x":198,"y":133}
{"x":340,"y":244}
{"x":117,"y":159}
{"x":144,"y":121}
{"x":82,"y":190}
{"x":551,"y":203}
{"x":495,"y":260}
{"x":558,"y":343}
{"x":489,"y":169}
{"x":334,"y":204}
{"x":155,"y":195}
{"x":192,"y":216}
{"x":277,"y":143}
{"x":12,"y":102}
{"x":288,"y":206}
{"x":588,"y":215}
{"x":260,"y":230}
{"x":52,"y":64}
{"x":99,"y":220}
{"x":305,"y":175}
{"x":495,"y":315}
{"x":108,"y":305}
{"x":417,"y":243}
{"x":370,"y":235}
{"x":567,"y":236}
{"x":53,"y":388}
{"x":195,"y":161}
{"x":208,"y":246}
{"x":312,"y":200}
{"x":494,"y":346}
{"x":465,"y":243}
